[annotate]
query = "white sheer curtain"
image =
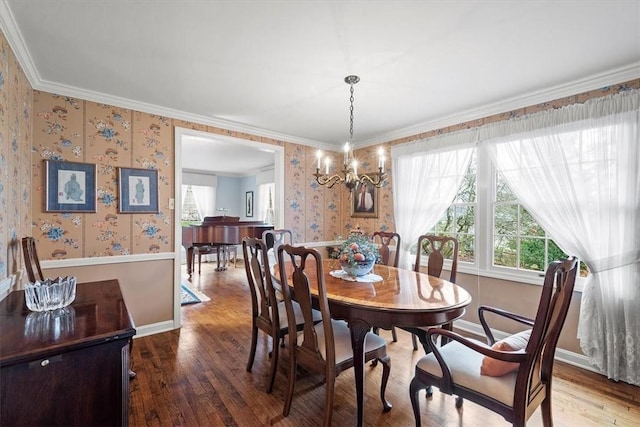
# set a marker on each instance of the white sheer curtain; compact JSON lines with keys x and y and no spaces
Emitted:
{"x":576,"y":170}
{"x":205,"y":197}
{"x":426,"y":179}
{"x":265,"y":202}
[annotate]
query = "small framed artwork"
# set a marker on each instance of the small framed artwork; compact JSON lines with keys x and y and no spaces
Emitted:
{"x":249,"y":203}
{"x":70,"y":187}
{"x":364,"y":201}
{"x":138,"y":190}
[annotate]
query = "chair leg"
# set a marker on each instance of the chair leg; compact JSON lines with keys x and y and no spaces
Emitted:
{"x":459,"y":402}
{"x":292,"y":382}
{"x":254,"y":343}
{"x":386,"y":369}
{"x":330,"y":390}
{"x":422,"y":337}
{"x":445,"y":340}
{"x":414,"y":389}
{"x":414,"y":341}
{"x":547,"y":421}
{"x":394,"y":335}
{"x":274,"y":363}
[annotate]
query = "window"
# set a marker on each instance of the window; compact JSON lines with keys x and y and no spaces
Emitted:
{"x":198,"y":201}
{"x":460,"y":219}
{"x":519,"y":242}
{"x":495,"y":233}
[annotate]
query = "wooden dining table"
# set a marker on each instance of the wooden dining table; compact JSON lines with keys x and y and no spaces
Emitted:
{"x":401,"y":298}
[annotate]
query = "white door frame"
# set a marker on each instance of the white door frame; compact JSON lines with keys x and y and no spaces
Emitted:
{"x":278,"y":197}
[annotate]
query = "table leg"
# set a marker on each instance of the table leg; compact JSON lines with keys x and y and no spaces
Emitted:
{"x":359,"y":331}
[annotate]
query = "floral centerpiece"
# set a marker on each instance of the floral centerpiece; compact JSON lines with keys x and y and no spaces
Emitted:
{"x":357,"y":255}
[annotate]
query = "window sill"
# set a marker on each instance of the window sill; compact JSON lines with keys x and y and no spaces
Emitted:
{"x":518,"y":278}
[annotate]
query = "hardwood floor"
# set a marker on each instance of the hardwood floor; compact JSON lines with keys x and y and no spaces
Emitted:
{"x":196,"y":376}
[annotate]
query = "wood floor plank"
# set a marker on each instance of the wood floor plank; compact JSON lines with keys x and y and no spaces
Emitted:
{"x":196,"y":376}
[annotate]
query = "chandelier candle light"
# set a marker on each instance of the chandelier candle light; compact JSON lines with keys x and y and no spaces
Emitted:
{"x":350,"y":176}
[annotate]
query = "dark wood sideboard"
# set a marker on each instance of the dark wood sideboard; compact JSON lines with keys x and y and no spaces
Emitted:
{"x":68,"y":367}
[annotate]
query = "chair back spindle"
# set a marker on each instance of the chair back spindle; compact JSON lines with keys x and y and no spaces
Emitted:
{"x":275,"y":238}
{"x":386,"y":238}
{"x":438,"y":248}
{"x":31,"y":261}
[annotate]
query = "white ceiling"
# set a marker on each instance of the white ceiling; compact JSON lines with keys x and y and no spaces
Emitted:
{"x":223,"y":156}
{"x":276,"y":68}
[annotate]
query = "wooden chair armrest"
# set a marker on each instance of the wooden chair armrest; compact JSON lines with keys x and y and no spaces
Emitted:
{"x":447,"y":382}
{"x":507,"y":356}
{"x":513,"y":316}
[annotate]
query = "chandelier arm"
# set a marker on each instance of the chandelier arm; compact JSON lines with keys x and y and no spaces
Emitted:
{"x":329,"y":181}
{"x":376,"y":179}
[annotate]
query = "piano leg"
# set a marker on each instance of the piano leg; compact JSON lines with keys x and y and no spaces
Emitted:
{"x":223,"y":252}
{"x":225,"y":256}
{"x":218,"y":249}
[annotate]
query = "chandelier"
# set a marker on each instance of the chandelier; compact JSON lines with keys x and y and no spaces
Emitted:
{"x":350,"y":176}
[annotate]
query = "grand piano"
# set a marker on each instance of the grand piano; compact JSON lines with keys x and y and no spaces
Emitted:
{"x":216,"y":234}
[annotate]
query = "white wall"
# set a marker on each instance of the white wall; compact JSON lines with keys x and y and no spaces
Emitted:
{"x":230,"y":195}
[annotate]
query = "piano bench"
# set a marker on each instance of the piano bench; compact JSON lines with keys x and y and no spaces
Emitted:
{"x":224,"y":250}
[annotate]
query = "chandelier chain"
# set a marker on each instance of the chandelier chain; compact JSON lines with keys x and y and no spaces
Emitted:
{"x":351,"y":117}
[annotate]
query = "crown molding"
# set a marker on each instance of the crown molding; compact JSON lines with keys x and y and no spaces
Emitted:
{"x":598,"y":81}
{"x":132,"y":104}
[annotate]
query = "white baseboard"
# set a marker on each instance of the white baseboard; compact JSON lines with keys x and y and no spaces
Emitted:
{"x":569,"y":357}
{"x":154,"y":328}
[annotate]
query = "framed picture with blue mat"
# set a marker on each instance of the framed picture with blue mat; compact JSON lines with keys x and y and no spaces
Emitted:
{"x":138,"y":190}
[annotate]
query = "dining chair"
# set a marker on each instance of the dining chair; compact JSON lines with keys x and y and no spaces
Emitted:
{"x":31,"y":261}
{"x":275,"y":238}
{"x":324,"y":347}
{"x":385,"y":238}
{"x":267,"y":313}
{"x":437,"y":249}
{"x":511,"y":377}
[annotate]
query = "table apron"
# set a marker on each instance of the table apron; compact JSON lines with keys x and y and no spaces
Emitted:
{"x":386,"y":318}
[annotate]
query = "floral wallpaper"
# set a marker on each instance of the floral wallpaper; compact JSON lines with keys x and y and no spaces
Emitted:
{"x":109,"y":137}
{"x":15,"y":159}
{"x":312,"y":211}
